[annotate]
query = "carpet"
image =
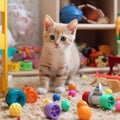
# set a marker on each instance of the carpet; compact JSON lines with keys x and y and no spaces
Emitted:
{"x":35,"y":111}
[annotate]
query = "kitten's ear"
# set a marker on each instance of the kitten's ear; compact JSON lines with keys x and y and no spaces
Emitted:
{"x":48,"y":22}
{"x":72,"y":26}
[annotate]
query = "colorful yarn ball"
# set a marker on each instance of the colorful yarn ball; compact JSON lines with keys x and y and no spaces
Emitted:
{"x":15,"y":110}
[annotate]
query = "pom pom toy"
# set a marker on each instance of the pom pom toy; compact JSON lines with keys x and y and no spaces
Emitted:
{"x":15,"y":110}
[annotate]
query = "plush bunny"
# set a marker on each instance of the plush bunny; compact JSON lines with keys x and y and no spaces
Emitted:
{"x":20,"y":20}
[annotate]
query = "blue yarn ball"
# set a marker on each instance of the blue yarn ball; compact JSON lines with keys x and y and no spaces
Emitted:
{"x":70,"y":12}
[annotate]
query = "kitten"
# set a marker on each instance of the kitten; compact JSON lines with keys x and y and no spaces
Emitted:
{"x":59,"y":59}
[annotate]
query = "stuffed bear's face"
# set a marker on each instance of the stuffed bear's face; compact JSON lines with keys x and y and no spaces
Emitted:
{"x":101,"y":61}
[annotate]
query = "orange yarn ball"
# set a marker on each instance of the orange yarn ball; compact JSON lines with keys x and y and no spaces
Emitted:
{"x":72,"y":86}
{"x":84,"y":112}
{"x":81,"y":103}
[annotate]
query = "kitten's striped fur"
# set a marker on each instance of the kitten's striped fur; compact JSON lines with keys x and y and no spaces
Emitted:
{"x":59,"y":60}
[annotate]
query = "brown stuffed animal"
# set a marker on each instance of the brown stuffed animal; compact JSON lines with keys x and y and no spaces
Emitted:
{"x":105,"y":49}
{"x":101,"y":61}
{"x":93,"y":14}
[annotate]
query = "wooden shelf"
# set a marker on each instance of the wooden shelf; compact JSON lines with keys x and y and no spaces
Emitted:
{"x":34,"y":72}
{"x":94,"y":69}
{"x":96,"y":26}
{"x":88,"y":70}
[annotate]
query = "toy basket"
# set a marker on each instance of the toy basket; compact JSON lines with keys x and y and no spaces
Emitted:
{"x":26,"y":65}
{"x":13,"y":66}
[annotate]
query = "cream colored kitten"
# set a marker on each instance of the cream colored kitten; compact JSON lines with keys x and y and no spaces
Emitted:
{"x":59,"y":60}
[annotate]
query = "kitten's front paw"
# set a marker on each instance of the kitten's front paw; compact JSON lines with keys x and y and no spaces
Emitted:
{"x":69,"y":82}
{"x":41,"y":90}
{"x":59,"y":89}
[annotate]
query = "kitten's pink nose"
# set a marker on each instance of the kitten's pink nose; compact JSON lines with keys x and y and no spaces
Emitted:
{"x":57,"y":45}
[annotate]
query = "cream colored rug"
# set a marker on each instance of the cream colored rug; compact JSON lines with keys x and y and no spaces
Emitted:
{"x":35,"y":111}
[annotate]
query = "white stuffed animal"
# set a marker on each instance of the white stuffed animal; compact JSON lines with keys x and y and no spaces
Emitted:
{"x":11,"y":40}
{"x":20,"y":21}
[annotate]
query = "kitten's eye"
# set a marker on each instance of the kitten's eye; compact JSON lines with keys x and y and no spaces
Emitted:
{"x":52,"y":37}
{"x":63,"y":38}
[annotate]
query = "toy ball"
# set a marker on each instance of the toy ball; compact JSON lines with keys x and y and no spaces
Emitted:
{"x":117,"y":98}
{"x":72,"y":93}
{"x":15,"y":95}
{"x":72,"y":86}
{"x":31,"y":95}
{"x":108,"y":91}
{"x":85,"y":96}
{"x":84,"y":112}
{"x":83,"y":77}
{"x":70,"y":12}
{"x":52,"y":110}
{"x":15,"y":110}
{"x":117,"y":105}
{"x":65,"y":105}
{"x":81,"y":103}
{"x":56,"y":97}
{"x":45,"y":102}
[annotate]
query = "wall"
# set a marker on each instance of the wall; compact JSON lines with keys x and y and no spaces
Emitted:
{"x":119,"y":6}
